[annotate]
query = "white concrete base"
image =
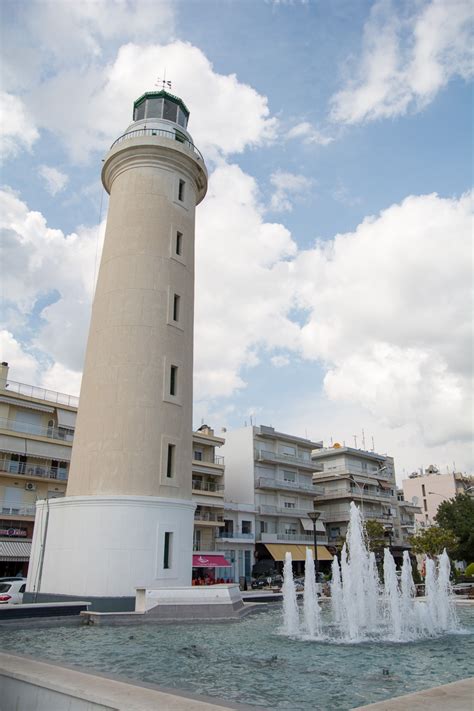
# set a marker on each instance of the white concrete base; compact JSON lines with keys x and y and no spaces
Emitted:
{"x":199,"y":595}
{"x":107,"y":546}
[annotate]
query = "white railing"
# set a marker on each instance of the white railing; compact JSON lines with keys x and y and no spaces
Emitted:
{"x":351,"y":469}
{"x":216,"y":459}
{"x":41,"y":393}
{"x":16,"y":510}
{"x":208,"y":517}
{"x":236,"y":535}
{"x":264,"y":482}
{"x":208,"y":486}
{"x":27,"y":469}
{"x":353,"y":494}
{"x":263,"y":454}
{"x":289,"y":511}
{"x":38,"y":430}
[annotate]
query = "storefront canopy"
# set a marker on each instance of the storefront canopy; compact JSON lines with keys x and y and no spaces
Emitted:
{"x":15,"y":550}
{"x":210,"y":561}
{"x":278,"y":550}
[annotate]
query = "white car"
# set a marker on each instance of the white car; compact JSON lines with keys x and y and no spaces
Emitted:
{"x":11,"y":592}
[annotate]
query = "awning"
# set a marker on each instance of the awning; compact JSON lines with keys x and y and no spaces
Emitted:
{"x":66,"y":418}
{"x":308,"y":525}
{"x":210,"y":561}
{"x":15,"y":550}
{"x":27,"y":405}
{"x":384,"y":484}
{"x":278,"y":550}
{"x":29,"y":447}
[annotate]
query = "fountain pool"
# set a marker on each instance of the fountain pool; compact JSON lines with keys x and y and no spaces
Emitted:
{"x":254,"y":662}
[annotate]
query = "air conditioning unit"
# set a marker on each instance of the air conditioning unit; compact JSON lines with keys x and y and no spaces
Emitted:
{"x":30,"y":486}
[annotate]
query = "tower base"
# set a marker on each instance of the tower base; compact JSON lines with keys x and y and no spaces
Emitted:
{"x":103,"y":547}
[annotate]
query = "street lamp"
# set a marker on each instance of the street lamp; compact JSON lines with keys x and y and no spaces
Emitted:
{"x":361,"y":493}
{"x":314,"y":515}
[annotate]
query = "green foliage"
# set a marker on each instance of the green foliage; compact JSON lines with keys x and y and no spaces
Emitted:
{"x":457,"y":515}
{"x":469,"y":570}
{"x":375,"y":535}
{"x":433,"y":541}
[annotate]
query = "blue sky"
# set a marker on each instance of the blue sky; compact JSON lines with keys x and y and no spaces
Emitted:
{"x":336,"y":226}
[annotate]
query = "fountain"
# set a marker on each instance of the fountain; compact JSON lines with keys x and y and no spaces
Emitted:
{"x":360,"y":609}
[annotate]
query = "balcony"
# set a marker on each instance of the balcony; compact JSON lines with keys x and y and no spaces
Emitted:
{"x":35,"y":430}
{"x":264,"y":509}
{"x":303,"y":538}
{"x":356,"y":471}
{"x":209,"y":464}
{"x":41,"y":393}
{"x":209,"y":517}
{"x":17,"y":509}
{"x":32,"y":470}
{"x":207,"y":487}
{"x":345,"y":515}
{"x":236,"y":536}
{"x":346,"y":493}
{"x":263,"y":455}
{"x":264,"y":482}
{"x":159,"y":132}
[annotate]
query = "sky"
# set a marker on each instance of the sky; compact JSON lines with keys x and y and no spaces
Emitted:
{"x":333,"y":249}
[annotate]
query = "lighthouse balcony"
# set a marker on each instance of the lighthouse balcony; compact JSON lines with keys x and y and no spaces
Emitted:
{"x":173,"y":134}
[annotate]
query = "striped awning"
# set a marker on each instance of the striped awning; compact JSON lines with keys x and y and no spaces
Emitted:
{"x":26,"y":404}
{"x":298,"y":552}
{"x":15,"y":550}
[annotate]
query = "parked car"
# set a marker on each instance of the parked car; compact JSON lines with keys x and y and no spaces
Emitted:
{"x":463,"y":588}
{"x":11,"y":592}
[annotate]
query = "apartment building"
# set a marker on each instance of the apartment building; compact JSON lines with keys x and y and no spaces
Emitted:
{"x":348,"y":474}
{"x":429,"y":488}
{"x":36,"y":432}
{"x":269,"y":492}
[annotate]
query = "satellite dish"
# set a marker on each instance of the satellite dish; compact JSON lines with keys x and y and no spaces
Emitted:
{"x":414,"y":500}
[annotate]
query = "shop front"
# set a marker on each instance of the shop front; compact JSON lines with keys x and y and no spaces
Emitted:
{"x":210,"y":569}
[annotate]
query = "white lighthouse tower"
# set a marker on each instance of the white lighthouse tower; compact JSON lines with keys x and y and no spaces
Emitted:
{"x":127,"y":518}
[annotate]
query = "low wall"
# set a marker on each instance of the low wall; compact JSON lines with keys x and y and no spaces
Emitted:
{"x":28,"y":685}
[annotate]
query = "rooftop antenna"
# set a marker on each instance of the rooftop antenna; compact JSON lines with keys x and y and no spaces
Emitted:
{"x":355,"y":441}
{"x":373,"y":445}
{"x":363,"y":439}
{"x":331,"y":441}
{"x":164,"y":84}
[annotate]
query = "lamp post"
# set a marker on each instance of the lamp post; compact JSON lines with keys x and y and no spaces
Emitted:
{"x":314,"y":515}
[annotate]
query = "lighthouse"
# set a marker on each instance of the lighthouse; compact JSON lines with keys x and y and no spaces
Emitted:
{"x":127,"y":518}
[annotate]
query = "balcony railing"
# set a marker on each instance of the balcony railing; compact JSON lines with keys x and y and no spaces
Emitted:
{"x":355,"y":494}
{"x":266,"y":509}
{"x":206,"y":459}
{"x":265,"y":455}
{"x":38,"y":430}
{"x":308,"y":538}
{"x":208,"y":486}
{"x":172,"y":135}
{"x":208,"y":516}
{"x":236,"y":534}
{"x":351,"y":469}
{"x":16,"y":509}
{"x":41,"y":393}
{"x":27,"y":469}
{"x":264,"y":482}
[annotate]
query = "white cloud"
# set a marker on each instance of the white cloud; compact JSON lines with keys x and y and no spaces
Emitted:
{"x":55,"y":180}
{"x":280,"y":361}
{"x":288,"y":187}
{"x":17,"y":130}
{"x":406,"y":59}
{"x":391,"y":315}
{"x":309,"y":134}
{"x":23,"y":366}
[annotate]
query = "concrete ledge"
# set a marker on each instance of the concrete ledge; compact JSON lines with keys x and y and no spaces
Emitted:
{"x":29,"y":684}
{"x":54,"y":609}
{"x":457,"y":696}
{"x":167,"y":614}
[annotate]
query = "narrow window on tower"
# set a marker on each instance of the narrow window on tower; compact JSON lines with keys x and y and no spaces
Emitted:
{"x":176,"y":304}
{"x":170,"y":461}
{"x":167,"y":550}
{"x":181,"y":190}
{"x":178,"y":245}
{"x":174,"y":380}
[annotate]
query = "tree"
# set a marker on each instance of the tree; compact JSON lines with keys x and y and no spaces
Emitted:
{"x":375,"y":535}
{"x":457,"y":515}
{"x":433,"y":541}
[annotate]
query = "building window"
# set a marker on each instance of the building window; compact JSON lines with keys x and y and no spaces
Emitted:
{"x":288,"y":451}
{"x":176,"y":304}
{"x":174,"y":380}
{"x":290,"y":531}
{"x":424,"y":505}
{"x":364,"y":466}
{"x":167,"y":550}
{"x":246,"y":526}
{"x":170,"y":461}
{"x":181,"y":190}
{"x":197,"y":455}
{"x":178,"y":246}
{"x":289,"y":476}
{"x":263,"y":526}
{"x":290,"y":505}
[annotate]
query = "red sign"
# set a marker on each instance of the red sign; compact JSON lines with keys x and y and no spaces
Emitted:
{"x":210,"y":561}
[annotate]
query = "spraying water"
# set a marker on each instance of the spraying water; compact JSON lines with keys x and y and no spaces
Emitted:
{"x":360,"y":609}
